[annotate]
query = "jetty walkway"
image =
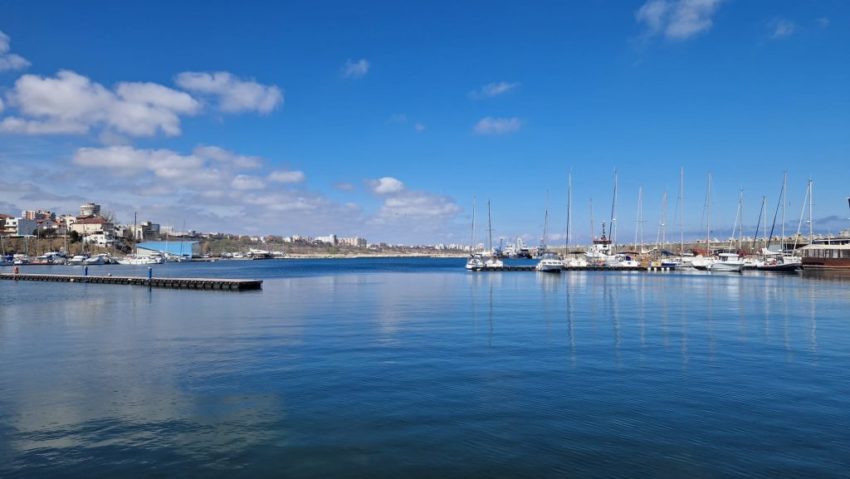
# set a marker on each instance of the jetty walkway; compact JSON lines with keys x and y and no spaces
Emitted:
{"x":162,"y":282}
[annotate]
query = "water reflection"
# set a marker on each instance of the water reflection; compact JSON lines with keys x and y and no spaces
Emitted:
{"x":357,"y":374}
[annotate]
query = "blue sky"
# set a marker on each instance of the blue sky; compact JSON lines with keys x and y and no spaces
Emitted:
{"x":384,"y":119}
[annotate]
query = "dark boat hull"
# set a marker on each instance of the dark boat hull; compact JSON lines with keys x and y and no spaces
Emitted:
{"x":826,"y":263}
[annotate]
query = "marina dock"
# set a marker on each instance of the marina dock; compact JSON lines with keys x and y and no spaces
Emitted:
{"x":531,"y":267}
{"x":173,"y":283}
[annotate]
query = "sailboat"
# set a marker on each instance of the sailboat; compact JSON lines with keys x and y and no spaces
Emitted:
{"x":779,"y":261}
{"x":728,"y":261}
{"x":549,"y":261}
{"x":491,"y":261}
{"x":703,"y":262}
{"x":475,"y":261}
{"x":571,"y":260}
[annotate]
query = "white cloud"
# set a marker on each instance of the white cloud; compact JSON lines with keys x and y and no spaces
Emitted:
{"x":419,"y":127}
{"x":70,"y":103}
{"x":823,"y":22}
{"x":228,"y":158}
{"x":126,"y":160}
{"x":234,"y":95}
{"x":492,"y":89}
{"x":246,"y":182}
{"x":417,"y":205}
{"x":497,"y":126}
{"x":677,"y":19}
{"x":1,"y":105}
{"x":782,"y":28}
{"x":284,"y":176}
{"x":10,"y":61}
{"x":386,"y":186}
{"x":355,"y":69}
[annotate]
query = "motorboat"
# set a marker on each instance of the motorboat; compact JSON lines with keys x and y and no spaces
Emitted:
{"x":96,"y":260}
{"x":702,"y":263}
{"x":549,"y":263}
{"x":475,"y":262}
{"x":133,"y":259}
{"x":77,"y":260}
{"x":727,"y":262}
{"x":622,"y":261}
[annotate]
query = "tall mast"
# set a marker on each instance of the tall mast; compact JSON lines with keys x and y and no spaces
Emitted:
{"x":741,"y":230}
{"x":779,"y":204}
{"x":708,"y":217}
{"x":802,"y":213}
{"x":489,"y":230}
{"x":811,"y":219}
{"x":472,"y":234}
{"x":664,"y":219}
{"x":612,"y":233}
{"x":758,"y":223}
{"x":738,"y":218}
{"x":639,"y":219}
{"x":682,"y":211}
{"x":784,"y":205}
{"x":569,"y":211}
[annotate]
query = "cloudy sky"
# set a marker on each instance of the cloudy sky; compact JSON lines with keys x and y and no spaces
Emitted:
{"x":385,"y":120}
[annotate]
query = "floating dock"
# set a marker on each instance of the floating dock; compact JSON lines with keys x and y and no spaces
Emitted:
{"x":173,"y":283}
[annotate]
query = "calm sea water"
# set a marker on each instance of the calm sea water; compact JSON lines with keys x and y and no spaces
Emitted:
{"x":416,"y":368}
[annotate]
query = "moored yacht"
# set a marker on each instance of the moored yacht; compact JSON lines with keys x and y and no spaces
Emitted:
{"x":549,"y":263}
{"x":727,"y":262}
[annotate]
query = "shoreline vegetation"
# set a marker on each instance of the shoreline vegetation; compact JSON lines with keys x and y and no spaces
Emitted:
{"x":217,"y":248}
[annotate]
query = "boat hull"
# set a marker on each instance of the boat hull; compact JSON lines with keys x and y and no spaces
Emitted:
{"x":780,"y":268}
{"x":721,"y":267}
{"x":826,"y":263}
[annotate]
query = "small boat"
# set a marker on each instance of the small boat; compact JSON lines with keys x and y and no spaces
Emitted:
{"x":780,"y":264}
{"x":475,"y":262}
{"x":621,"y":261}
{"x":77,"y":260}
{"x":96,"y":260}
{"x":549,"y":263}
{"x":728,"y":262}
{"x":132,"y":259}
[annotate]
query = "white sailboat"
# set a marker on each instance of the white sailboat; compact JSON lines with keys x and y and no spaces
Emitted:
{"x":549,"y":261}
{"x":475,"y":261}
{"x":491,"y":261}
{"x":571,"y":260}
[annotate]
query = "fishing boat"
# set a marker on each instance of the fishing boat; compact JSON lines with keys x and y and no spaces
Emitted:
{"x":727,"y":263}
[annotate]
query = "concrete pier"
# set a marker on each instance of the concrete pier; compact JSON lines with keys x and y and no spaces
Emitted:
{"x":173,"y":283}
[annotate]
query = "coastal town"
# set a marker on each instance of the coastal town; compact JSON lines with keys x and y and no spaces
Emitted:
{"x":95,"y":236}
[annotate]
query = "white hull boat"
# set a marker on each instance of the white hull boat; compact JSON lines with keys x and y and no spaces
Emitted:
{"x":728,"y":263}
